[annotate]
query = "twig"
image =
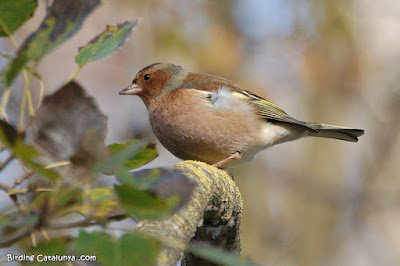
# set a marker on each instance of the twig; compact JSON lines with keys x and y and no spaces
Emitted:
{"x":45,"y":234}
{"x":16,"y":238}
{"x":33,"y":239}
{"x":12,"y":191}
{"x":57,"y":164}
{"x":22,"y":178}
{"x":43,"y":225}
{"x":5,"y":188}
{"x":6,"y":162}
{"x":86,"y":223}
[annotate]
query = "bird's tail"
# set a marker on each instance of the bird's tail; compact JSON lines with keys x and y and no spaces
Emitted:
{"x":335,"y":132}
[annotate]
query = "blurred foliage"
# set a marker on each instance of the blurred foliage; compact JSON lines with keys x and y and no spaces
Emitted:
{"x":14,"y":141}
{"x":142,"y":157}
{"x":65,"y":152}
{"x":15,"y":13}
{"x":144,"y":205}
{"x":129,"y":249}
{"x":220,"y":257}
{"x":58,"y":26}
{"x":106,"y":43}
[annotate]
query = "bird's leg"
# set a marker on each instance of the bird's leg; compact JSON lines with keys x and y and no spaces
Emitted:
{"x":231,"y":157}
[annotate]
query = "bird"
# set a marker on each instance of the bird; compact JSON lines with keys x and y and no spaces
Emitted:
{"x":208,"y":118}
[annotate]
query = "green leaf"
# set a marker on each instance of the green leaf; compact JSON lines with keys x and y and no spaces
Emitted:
{"x":14,"y":13}
{"x":107,"y":43}
{"x":27,"y":154}
{"x":64,"y":19}
{"x":66,"y":196}
{"x":53,"y":247}
{"x":59,"y":202}
{"x":219,"y":256}
{"x":130,"y":249}
{"x":48,"y":173}
{"x":102,"y":201}
{"x":143,"y":156}
{"x":141,"y":179}
{"x":142,"y":204}
{"x":8,"y":134}
{"x":161,"y":182}
{"x":96,"y":203}
{"x":118,"y":158}
{"x":164,"y":183}
{"x":13,"y":141}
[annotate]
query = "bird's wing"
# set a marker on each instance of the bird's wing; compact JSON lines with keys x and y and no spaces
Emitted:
{"x":266,"y":109}
{"x":272,"y":112}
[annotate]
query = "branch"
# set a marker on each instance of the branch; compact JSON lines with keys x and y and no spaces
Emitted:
{"x":6,"y":162}
{"x":212,"y":215}
{"x":86,"y":223}
{"x":16,"y":238}
{"x":80,"y":224}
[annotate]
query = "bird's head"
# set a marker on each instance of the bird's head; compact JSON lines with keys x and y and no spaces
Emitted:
{"x":156,"y":80}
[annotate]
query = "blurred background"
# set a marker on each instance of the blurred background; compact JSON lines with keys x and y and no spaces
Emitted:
{"x":309,"y":202}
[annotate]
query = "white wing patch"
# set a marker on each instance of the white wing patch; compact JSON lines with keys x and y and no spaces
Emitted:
{"x":225,"y":99}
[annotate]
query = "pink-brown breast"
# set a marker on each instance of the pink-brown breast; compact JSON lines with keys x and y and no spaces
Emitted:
{"x":190,"y":127}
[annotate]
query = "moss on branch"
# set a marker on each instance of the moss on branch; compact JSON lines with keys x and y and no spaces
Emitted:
{"x":212,"y":215}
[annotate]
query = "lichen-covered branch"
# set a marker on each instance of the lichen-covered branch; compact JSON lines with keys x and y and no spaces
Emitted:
{"x":212,"y":215}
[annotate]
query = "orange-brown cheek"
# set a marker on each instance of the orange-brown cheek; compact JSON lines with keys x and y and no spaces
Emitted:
{"x":152,"y":89}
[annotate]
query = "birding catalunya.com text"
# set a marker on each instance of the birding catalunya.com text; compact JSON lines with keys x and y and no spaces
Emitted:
{"x":47,"y":258}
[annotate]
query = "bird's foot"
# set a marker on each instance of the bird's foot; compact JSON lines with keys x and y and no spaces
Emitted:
{"x":234,"y":156}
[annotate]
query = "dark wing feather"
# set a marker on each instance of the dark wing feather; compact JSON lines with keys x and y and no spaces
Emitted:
{"x":272,"y":112}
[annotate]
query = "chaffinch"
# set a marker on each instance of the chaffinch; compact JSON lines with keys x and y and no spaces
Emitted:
{"x":208,"y":118}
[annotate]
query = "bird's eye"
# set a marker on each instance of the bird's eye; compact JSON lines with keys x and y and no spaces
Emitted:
{"x":147,"y":77}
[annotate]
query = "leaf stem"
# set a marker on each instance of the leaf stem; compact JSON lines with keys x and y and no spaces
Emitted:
{"x":26,"y":96}
{"x":22,"y":111}
{"x":41,"y":93}
{"x":4,"y":101}
{"x":28,"y":92}
{"x":12,"y":39}
{"x":74,"y":74}
{"x":6,"y":93}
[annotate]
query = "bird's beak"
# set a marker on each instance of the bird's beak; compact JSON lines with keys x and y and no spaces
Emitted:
{"x":132,"y":89}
